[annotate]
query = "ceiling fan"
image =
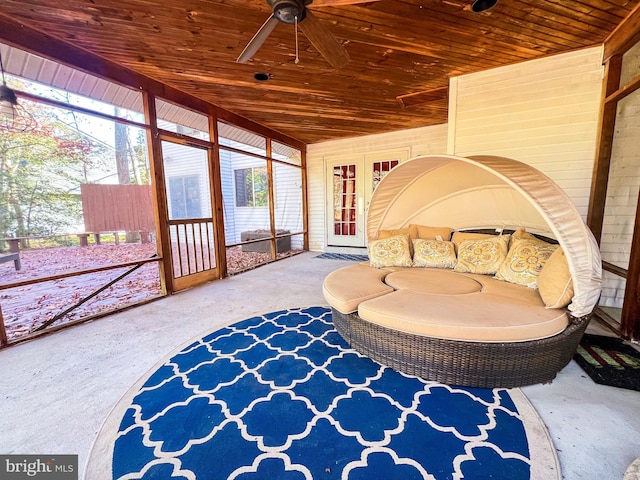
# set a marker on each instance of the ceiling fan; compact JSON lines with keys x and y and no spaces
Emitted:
{"x":296,"y":12}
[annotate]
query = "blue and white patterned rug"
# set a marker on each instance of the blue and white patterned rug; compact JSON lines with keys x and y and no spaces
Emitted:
{"x":282,"y":396}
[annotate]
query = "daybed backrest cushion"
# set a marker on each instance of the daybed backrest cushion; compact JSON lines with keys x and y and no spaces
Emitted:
{"x":554,"y":282}
{"x":411,"y":230}
{"x":433,"y":233}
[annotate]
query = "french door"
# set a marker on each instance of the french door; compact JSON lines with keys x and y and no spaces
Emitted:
{"x":350,"y":183}
{"x":345,"y":193}
{"x":190,"y":224}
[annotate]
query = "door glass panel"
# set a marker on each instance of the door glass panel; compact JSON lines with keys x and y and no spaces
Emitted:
{"x":344,"y":200}
{"x":380,"y":170}
{"x":186,"y":171}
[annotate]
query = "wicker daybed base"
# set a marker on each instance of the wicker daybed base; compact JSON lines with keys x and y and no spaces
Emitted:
{"x":453,"y":362}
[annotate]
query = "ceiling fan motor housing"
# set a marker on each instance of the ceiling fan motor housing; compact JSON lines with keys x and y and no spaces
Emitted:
{"x":286,"y":11}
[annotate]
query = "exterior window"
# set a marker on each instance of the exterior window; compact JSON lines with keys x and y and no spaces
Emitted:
{"x":251,"y":187}
{"x":185,"y":198}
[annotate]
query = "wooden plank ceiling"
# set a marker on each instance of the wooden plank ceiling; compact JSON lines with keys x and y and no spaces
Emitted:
{"x":405,"y":49}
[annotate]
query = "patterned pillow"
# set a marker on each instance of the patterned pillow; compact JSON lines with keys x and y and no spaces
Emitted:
{"x":433,"y":253}
{"x":482,"y":256}
{"x":390,"y":252}
{"x":524,"y":261}
{"x":458,"y":237}
{"x":554,"y":282}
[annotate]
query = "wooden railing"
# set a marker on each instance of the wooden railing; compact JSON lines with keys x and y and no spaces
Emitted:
{"x":4,"y":341}
{"x":16,"y":243}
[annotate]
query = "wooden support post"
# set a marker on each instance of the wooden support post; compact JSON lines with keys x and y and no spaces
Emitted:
{"x":116,"y":237}
{"x":96,"y":237}
{"x":3,"y":331}
{"x":14,"y":245}
{"x":84,"y":239}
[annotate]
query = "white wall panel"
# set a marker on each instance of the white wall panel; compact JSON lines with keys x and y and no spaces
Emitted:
{"x":542,"y":112}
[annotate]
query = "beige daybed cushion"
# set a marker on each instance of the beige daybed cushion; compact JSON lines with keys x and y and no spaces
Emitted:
{"x":475,"y":317}
{"x":346,"y":287}
{"x":443,"y":282}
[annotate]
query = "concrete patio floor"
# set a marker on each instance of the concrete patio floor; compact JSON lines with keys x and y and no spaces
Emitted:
{"x":58,"y":390}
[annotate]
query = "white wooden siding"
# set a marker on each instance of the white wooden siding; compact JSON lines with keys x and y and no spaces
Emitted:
{"x":419,"y":141}
{"x":542,"y":112}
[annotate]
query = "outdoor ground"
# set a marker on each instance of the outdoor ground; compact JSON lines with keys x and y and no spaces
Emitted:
{"x":27,"y":307}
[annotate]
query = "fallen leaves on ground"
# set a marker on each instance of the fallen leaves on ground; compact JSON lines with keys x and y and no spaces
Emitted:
{"x":26,"y":307}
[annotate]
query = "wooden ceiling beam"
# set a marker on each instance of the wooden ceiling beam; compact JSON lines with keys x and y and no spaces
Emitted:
{"x":624,"y":36}
{"x":420,"y":98}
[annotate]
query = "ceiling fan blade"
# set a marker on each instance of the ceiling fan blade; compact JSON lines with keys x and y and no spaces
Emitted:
{"x":338,"y":3}
{"x":258,"y":39}
{"x":324,"y":42}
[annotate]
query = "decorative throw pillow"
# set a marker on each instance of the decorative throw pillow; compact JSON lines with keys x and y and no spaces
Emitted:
{"x":524,"y":261}
{"x":554,"y":282}
{"x":433,"y":253}
{"x":482,"y":256}
{"x":458,"y":237}
{"x":390,"y":252}
{"x":432,"y":233}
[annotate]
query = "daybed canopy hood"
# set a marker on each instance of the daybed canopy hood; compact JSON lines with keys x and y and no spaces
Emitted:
{"x":489,"y":192}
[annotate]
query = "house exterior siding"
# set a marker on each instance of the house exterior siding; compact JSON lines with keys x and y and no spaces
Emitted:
{"x":542,"y":112}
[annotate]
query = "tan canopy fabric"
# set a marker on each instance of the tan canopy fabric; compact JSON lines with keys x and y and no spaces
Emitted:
{"x":489,"y":192}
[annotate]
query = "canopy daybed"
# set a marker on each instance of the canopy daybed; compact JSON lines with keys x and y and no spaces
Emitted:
{"x":465,"y":328}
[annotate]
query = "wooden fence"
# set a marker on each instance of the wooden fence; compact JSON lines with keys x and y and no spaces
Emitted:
{"x":112,"y":208}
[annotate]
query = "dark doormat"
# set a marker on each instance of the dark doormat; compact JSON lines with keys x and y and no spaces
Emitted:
{"x":343,"y":256}
{"x":609,"y":361}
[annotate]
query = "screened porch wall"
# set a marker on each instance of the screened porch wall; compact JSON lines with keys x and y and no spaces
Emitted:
{"x":287,"y":194}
